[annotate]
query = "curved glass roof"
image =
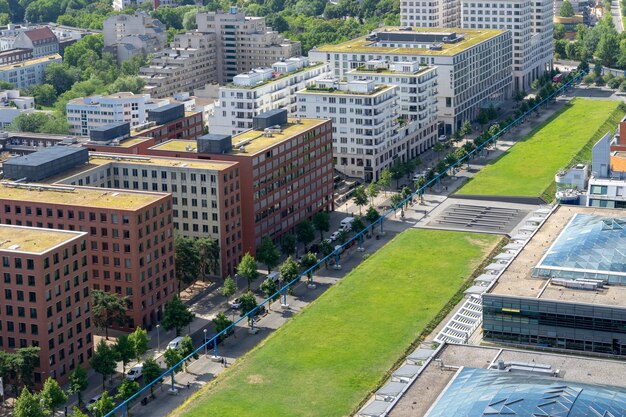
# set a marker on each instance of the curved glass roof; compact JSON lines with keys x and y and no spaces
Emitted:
{"x":490,"y":393}
{"x":590,"y":247}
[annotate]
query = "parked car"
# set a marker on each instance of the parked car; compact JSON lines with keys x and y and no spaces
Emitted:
{"x":235,"y":304}
{"x":443,"y":138}
{"x":274,"y":276}
{"x":135,"y":372}
{"x":346,"y":224}
{"x":416,"y":177}
{"x":175,"y":343}
{"x":334,"y":236}
{"x":93,"y":400}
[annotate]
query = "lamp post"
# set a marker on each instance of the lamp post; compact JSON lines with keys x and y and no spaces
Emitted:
{"x":158,"y":326}
{"x":205,"y":346}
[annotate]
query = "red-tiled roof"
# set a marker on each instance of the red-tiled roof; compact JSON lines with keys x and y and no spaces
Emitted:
{"x":40,"y":34}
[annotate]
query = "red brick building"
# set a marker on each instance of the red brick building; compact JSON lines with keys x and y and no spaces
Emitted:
{"x":130,"y":238}
{"x":45,"y":298}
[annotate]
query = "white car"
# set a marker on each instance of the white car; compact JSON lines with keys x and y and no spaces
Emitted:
{"x":135,"y":372}
{"x":235,"y":304}
{"x":443,"y":138}
{"x":334,"y":236}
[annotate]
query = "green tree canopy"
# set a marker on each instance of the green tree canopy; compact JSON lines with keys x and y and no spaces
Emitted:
{"x":52,"y":396}
{"x":127,"y":389}
{"x":78,"y":383}
{"x":103,"y":406}
{"x":208,"y":250}
{"x":305,"y":233}
{"x":124,"y":351}
{"x":229,"y":288}
{"x":288,"y":244}
{"x":566,"y":9}
{"x":372,"y":192}
{"x":103,"y":360}
{"x":172,"y":357}
{"x":247,"y":268}
{"x":268,"y":253}
{"x":359,"y":197}
{"x":107,"y":309}
{"x":176,"y":315}
{"x":28,"y":405}
{"x":186,"y":260}
{"x":288,"y":270}
{"x":248,"y":303}
{"x":321,"y":222}
{"x":151,"y":371}
{"x":139,"y":341}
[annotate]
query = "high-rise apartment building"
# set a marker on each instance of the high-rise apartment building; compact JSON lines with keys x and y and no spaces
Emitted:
{"x":87,"y":113}
{"x":243,"y":43}
{"x":473,"y":65}
{"x":127,"y":35}
{"x":530,"y":24}
{"x":261,"y":90}
{"x":206,"y":199}
{"x":188,"y":64}
{"x":431,"y":14}
{"x":130,"y":238}
{"x":45,"y":297}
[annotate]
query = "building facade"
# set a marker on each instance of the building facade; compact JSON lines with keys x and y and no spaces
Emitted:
{"x":128,"y":35}
{"x":188,"y":64}
{"x":261,"y":90}
{"x":473,"y":65}
{"x":244,"y":43}
{"x":130,"y":238}
{"x":46,"y":298}
{"x":206,"y":200}
{"x":12,"y":105}
{"x":87,"y":113}
{"x":42,"y":41}
{"x":27,"y":73}
{"x":15,"y":56}
{"x":431,"y":14}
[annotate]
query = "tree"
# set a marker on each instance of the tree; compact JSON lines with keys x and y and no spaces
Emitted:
{"x":176,"y":315}
{"x":288,"y":244}
{"x":396,"y":199}
{"x":438,"y":148}
{"x":126,"y":390}
{"x":357,"y":225}
{"x":103,"y":361}
{"x":247,"y":268}
{"x":39,"y":122}
{"x":52,"y":396}
{"x":103,"y":406}
{"x":139,"y":340}
{"x":221,"y":323}
{"x":305,"y":233}
{"x":326,"y":249}
{"x":268,"y":253}
{"x":151,"y":371}
{"x":321,"y":222}
{"x":130,"y":83}
{"x":44,"y":94}
{"x":372,"y":215}
{"x":186,"y":260}
{"x":466,"y":128}
{"x":342,"y":237}
{"x":186,"y":347}
{"x":106,"y":309}
{"x":566,"y":9}
{"x":288,"y":270}
{"x":61,"y":77}
{"x":77,"y":413}
{"x":398,"y":170}
{"x":171,"y":358}
{"x":124,"y":350}
{"x":268,"y":286}
{"x":308,"y":261}
{"x":229,"y":288}
{"x":372,"y":192}
{"x":248,"y":303}
{"x":28,"y":405}
{"x":359,"y":197}
{"x":608,"y":49}
{"x":208,"y":256}
{"x":384,"y":180}
{"x":25,"y":361}
{"x":78,"y":383}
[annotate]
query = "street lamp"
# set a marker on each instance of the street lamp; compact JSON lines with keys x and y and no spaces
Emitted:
{"x":205,"y":346}
{"x":158,"y":326}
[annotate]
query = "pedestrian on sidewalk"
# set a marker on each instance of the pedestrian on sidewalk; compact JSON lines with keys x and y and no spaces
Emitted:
{"x":188,"y":385}
{"x":223,"y":363}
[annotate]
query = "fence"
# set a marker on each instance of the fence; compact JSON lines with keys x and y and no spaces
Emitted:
{"x":123,"y":407}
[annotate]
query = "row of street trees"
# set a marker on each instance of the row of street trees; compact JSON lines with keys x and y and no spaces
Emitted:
{"x":194,"y":258}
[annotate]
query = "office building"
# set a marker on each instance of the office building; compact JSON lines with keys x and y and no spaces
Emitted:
{"x":27,"y":73}
{"x":87,"y":113}
{"x":566,"y":287}
{"x":473,"y":65}
{"x":12,"y":105}
{"x":243,"y":43}
{"x":285,"y":171}
{"x":261,"y":90}
{"x":128,"y":35}
{"x":431,"y":14}
{"x":365,"y":123}
{"x":129,"y":233}
{"x":46,"y":298}
{"x":15,"y":56}
{"x":42,"y":41}
{"x":188,"y":64}
{"x":206,"y":201}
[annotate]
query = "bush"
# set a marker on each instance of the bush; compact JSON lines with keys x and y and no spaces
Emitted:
{"x":600,"y":81}
{"x":589,"y":79}
{"x":622,"y":87}
{"x":615,"y":82}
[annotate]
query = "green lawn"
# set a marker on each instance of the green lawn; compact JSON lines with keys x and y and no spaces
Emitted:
{"x":528,"y":168}
{"x":329,"y":356}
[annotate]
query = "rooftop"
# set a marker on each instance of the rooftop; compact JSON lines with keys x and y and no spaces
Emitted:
{"x":79,"y":196}
{"x":32,"y":239}
{"x":379,"y":88}
{"x":256,"y":141}
{"x":472,"y":37}
{"x":278,"y":76}
{"x":518,"y":280}
{"x":41,"y":34}
{"x":28,"y":62}
{"x":435,"y":383}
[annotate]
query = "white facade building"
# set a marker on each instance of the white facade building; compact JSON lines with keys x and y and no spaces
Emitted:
{"x":431,"y":13}
{"x":12,"y":105}
{"x":530,"y":23}
{"x":366,"y":131}
{"x":86,"y":113}
{"x":27,"y":73}
{"x":473,"y":65}
{"x":261,"y":90}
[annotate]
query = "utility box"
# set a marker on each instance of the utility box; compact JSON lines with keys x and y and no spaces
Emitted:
{"x":216,"y":144}
{"x":277,"y":117}
{"x":109,"y":132}
{"x":45,"y":163}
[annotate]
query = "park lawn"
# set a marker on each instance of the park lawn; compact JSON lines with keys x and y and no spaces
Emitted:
{"x":326,"y":359}
{"x":528,"y":168}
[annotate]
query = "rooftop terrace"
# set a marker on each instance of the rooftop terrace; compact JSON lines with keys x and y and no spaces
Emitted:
{"x":472,"y":37}
{"x":28,"y":62}
{"x":79,"y":196}
{"x":32,"y":239}
{"x":517,"y":280}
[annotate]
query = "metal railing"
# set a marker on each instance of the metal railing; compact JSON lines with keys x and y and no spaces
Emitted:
{"x":282,"y":292}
